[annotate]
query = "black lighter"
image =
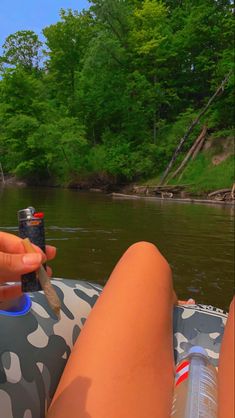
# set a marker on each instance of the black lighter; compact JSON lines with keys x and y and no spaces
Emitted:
{"x":31,"y":225}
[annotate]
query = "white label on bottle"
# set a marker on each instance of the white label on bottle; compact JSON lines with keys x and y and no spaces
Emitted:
{"x":208,"y":393}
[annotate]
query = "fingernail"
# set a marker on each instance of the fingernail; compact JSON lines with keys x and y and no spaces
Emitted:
{"x":31,"y":259}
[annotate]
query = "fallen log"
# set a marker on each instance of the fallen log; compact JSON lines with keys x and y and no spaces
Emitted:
{"x":179,"y":200}
{"x":153,"y":190}
{"x":223,"y":194}
{"x":124,"y":196}
{"x":199,"y":146}
{"x":200,"y":140}
{"x":220,"y":191}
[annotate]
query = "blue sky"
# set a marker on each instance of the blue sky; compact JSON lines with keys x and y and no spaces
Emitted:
{"x":32,"y":14}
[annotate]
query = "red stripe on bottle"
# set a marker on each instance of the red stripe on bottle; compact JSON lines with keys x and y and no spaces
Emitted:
{"x":182,"y":378}
{"x":182,"y":366}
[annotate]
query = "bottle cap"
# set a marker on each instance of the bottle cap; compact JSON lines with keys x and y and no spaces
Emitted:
{"x":197,"y":349}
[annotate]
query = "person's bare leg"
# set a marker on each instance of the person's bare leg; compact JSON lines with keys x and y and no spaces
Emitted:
{"x":226,"y":369}
{"x":125,"y":350}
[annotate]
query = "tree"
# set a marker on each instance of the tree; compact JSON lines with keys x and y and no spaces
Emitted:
{"x":67,"y":41}
{"x":22,"y":48}
{"x":118,"y":88}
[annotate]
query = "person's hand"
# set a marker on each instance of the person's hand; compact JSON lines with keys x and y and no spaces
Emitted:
{"x":14,"y":262}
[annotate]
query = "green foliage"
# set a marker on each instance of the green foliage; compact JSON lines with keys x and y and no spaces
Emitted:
{"x":118,"y":87}
{"x":170,"y":134}
{"x":121,"y":159}
{"x":66,"y":43}
{"x":126,"y":160}
{"x":149,"y":28}
{"x":22,"y":48}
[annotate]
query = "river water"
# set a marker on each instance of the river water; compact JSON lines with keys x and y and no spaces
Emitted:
{"x":92,"y":230}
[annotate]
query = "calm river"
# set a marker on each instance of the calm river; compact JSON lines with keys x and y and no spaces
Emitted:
{"x":92,"y":230}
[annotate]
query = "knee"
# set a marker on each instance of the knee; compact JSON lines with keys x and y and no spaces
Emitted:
{"x":142,"y":246}
{"x":147,"y":252}
{"x":143,"y":250}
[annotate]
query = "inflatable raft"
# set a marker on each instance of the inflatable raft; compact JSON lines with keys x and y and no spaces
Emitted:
{"x":35,"y":346}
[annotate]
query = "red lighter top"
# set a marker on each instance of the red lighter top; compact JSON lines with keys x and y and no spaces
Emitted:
{"x":38,"y":215}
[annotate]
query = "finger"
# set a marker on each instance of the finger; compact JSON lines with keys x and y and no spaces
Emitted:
{"x":12,"y":266}
{"x":10,"y":243}
{"x":10,"y":292}
{"x":50,"y":252}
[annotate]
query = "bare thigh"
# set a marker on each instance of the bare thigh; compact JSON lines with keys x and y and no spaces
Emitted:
{"x":122,"y":363}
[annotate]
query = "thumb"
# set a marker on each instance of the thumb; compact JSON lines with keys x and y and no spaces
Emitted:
{"x":13,"y":265}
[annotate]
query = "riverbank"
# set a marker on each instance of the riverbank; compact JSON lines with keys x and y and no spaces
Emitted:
{"x":181,"y":200}
{"x":180,"y":193}
{"x":148,"y":192}
{"x":208,"y":178}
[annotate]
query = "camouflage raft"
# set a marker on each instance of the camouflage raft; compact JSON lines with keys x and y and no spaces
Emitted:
{"x":35,"y":346}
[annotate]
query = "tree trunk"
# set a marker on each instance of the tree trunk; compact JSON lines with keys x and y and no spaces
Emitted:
{"x":192,"y":126}
{"x":193,"y":149}
{"x":218,"y":192}
{"x":199,"y":147}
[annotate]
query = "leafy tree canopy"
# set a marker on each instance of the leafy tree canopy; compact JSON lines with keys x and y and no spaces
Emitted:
{"x":113,"y":88}
{"x":22,"y":48}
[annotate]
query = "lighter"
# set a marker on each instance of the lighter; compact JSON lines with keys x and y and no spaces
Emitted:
{"x":31,"y":225}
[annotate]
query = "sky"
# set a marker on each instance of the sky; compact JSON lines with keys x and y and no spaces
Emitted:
{"x":33,"y":15}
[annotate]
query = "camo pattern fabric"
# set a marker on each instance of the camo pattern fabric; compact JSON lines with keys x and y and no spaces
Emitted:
{"x":198,"y":325}
{"x":34,"y":347}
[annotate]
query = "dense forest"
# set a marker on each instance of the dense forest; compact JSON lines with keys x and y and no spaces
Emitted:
{"x":112,"y":89}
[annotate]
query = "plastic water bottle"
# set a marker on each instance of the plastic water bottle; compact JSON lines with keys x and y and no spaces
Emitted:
{"x":195,"y":394}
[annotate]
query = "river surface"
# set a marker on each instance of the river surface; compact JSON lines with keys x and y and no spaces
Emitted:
{"x":92,"y":230}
